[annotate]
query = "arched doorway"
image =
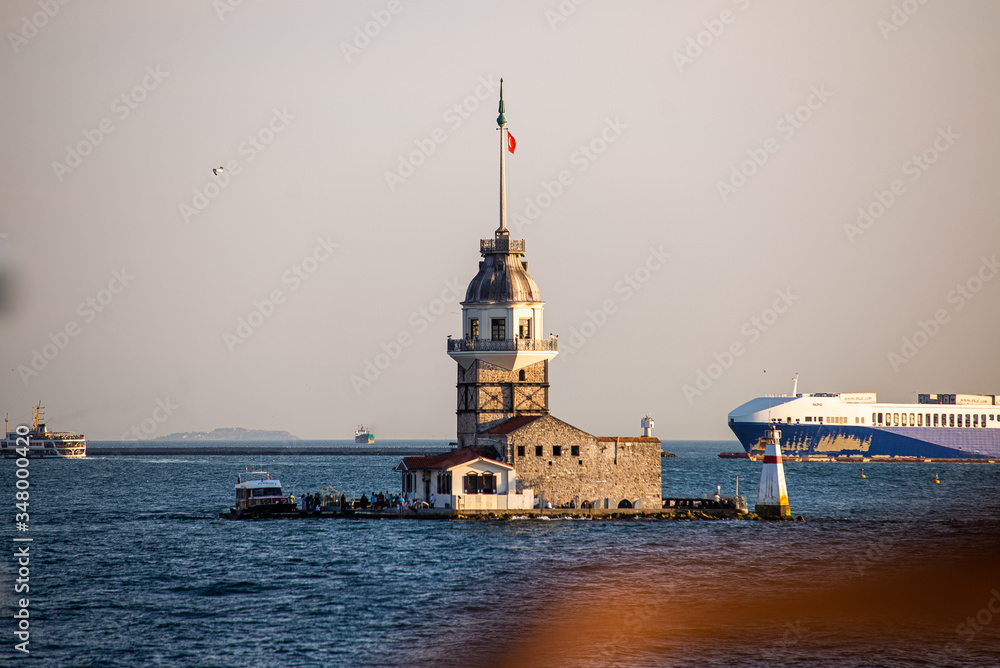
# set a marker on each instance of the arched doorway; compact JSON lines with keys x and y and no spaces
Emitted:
{"x":624,"y":503}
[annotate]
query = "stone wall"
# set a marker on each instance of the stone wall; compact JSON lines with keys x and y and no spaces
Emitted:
{"x":489,"y":395}
{"x":612,"y":469}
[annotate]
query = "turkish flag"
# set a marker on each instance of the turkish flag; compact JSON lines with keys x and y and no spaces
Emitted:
{"x":511,"y":144}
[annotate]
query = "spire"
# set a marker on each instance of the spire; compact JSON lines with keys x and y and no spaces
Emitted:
{"x":502,"y":122}
{"x":501,"y":119}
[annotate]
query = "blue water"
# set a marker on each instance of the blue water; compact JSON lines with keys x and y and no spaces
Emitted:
{"x":131,"y":567}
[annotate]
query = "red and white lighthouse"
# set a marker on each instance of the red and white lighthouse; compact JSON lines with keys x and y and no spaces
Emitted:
{"x":772,"y":494}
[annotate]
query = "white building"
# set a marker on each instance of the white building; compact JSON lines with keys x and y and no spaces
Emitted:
{"x":466,"y":479}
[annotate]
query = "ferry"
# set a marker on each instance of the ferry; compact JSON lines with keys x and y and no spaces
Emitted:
{"x":820,"y":426}
{"x":362,"y":435}
{"x":259,"y":495}
{"x":38,"y":441}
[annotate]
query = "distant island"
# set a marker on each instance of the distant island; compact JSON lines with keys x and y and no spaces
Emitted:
{"x":230,"y":434}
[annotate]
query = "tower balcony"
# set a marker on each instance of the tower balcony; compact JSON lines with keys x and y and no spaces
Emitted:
{"x":510,"y":354}
{"x":501,"y":245}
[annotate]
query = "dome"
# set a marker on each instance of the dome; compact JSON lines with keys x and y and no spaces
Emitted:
{"x":502,"y":278}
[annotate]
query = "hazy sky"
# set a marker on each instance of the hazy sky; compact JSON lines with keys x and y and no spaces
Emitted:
{"x":740,"y":138}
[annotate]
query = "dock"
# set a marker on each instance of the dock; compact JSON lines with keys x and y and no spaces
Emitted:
{"x":673,"y":509}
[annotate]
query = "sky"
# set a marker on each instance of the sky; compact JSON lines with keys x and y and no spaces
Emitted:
{"x":714,"y":196}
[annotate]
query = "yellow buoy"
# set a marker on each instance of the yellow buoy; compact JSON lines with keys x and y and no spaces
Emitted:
{"x":937,"y":481}
{"x":863,"y":473}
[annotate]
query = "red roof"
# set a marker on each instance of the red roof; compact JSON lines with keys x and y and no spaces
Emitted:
{"x":512,"y":424}
{"x":447,"y":460}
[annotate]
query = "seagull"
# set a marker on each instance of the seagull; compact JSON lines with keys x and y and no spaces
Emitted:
{"x":218,"y":170}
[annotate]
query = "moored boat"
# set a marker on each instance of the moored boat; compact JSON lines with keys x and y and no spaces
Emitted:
{"x":258,"y":495}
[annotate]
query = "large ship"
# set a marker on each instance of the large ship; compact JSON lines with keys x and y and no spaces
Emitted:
{"x":38,"y":441}
{"x":362,"y":435}
{"x":854,"y":425}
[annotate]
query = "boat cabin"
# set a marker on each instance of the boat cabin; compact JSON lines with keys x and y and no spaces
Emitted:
{"x":259,"y":491}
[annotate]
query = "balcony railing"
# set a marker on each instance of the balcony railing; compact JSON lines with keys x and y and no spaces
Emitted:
{"x":501,"y":345}
{"x":501,"y":245}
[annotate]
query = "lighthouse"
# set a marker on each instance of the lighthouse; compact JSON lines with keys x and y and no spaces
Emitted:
{"x":503,"y":361}
{"x":772,"y":494}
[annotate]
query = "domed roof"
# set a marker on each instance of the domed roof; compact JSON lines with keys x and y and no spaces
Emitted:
{"x":502,"y":278}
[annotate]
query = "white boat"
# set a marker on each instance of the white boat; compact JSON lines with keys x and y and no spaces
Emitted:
{"x":38,"y":441}
{"x":259,"y":495}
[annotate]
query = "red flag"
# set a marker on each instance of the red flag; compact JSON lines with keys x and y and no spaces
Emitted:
{"x":510,"y":142}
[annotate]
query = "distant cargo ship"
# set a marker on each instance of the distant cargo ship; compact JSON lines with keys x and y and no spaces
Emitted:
{"x":826,"y":425}
{"x":38,"y":441}
{"x":362,"y":435}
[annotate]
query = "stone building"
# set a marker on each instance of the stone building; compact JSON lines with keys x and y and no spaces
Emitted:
{"x":503,"y":387}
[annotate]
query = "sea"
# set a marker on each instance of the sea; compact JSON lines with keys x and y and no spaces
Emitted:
{"x":129,"y":565}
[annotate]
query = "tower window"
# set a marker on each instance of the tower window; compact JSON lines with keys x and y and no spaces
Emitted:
{"x":574,"y":450}
{"x":524,"y":329}
{"x":499,"y":329}
{"x":557,"y":451}
{"x":520,"y":451}
{"x":520,"y":374}
{"x":474,"y":328}
{"x":538,"y":451}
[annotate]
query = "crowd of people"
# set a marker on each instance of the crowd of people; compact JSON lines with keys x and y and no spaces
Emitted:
{"x":320,"y":501}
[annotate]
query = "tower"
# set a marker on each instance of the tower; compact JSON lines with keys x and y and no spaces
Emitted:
{"x":772,"y":494}
{"x":503,"y":361}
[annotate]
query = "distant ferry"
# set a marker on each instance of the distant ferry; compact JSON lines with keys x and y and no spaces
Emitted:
{"x":362,"y":435}
{"x":824,"y":425}
{"x":40,"y":442}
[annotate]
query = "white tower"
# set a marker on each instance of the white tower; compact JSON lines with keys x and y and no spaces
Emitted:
{"x":647,"y":426}
{"x":503,"y":361}
{"x":772,"y":494}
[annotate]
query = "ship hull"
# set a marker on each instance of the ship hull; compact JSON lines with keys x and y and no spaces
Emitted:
{"x":828,"y":440}
{"x":45,"y":449}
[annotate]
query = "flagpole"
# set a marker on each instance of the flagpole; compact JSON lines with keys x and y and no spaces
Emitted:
{"x":502,"y":122}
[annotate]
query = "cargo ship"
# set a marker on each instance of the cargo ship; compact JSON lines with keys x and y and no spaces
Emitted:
{"x":820,"y":426}
{"x":38,"y":441}
{"x":362,"y":435}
